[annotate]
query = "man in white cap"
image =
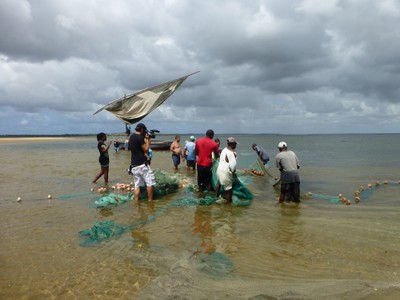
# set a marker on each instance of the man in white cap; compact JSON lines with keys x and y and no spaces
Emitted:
{"x":288,"y":163}
{"x":226,"y":171}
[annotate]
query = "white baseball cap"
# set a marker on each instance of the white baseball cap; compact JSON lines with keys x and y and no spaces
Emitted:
{"x":282,"y":145}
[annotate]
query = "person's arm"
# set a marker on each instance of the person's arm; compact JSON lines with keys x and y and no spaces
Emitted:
{"x":232,"y":162}
{"x":216,"y":152}
{"x":104,"y":148}
{"x":146,"y":144}
{"x":297,"y":162}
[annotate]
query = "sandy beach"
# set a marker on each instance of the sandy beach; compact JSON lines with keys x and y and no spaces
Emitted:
{"x":13,"y":140}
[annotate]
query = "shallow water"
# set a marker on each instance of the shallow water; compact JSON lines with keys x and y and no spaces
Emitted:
{"x":314,"y":250}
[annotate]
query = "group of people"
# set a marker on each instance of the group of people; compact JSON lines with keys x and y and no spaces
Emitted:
{"x":200,"y":153}
{"x":139,"y":145}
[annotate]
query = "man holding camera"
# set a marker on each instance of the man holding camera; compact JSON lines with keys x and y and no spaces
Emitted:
{"x":139,"y":143}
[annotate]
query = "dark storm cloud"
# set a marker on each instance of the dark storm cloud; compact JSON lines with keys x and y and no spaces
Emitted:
{"x":270,"y":66}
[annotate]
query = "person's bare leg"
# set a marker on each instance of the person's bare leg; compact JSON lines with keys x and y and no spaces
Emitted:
{"x":150,"y":192}
{"x":137,"y":193}
{"x":98,"y":176}
{"x":105,"y":170}
{"x":228,"y":196}
{"x":217,"y":188}
{"x":282,"y":197}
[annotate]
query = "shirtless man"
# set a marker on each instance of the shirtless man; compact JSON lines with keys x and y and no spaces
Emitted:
{"x":176,"y":151}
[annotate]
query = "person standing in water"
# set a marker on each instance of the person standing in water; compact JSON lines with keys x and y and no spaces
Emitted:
{"x":190,"y":153}
{"x":139,"y":143}
{"x":288,"y":164}
{"x":104,"y":158}
{"x":205,"y":147}
{"x":226,"y":171}
{"x":176,"y":150}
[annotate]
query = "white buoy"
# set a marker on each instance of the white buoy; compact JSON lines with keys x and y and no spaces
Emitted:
{"x":19,"y":199}
{"x":49,"y":197}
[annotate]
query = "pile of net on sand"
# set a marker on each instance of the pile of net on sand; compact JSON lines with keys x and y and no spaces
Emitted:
{"x":166,"y":183}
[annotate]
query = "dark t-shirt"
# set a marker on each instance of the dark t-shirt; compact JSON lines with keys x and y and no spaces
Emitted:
{"x":103,"y":158}
{"x":137,"y":155}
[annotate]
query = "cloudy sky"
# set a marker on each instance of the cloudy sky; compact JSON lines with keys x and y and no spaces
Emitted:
{"x":266,"y":66}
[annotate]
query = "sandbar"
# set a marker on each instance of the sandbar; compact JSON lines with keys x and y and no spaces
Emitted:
{"x":13,"y":140}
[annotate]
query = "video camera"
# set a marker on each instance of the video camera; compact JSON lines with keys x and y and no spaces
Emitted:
{"x":152,"y":133}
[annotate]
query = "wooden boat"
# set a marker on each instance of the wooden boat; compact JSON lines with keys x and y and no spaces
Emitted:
{"x":159,"y":145}
{"x":155,"y":145}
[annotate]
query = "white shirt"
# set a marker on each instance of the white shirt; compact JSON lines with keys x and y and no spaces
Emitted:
{"x":227,"y":161}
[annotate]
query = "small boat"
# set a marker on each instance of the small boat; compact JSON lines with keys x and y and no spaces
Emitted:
{"x":155,"y":145}
{"x":159,"y":145}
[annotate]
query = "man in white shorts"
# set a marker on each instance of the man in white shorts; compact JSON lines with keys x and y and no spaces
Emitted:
{"x":139,"y":143}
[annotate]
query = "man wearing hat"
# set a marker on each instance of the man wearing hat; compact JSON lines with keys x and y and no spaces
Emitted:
{"x":226,"y":170}
{"x":190,"y":154}
{"x":288,"y":163}
{"x":139,"y":143}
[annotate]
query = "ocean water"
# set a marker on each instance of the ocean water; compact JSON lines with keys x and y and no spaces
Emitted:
{"x":318,"y":249}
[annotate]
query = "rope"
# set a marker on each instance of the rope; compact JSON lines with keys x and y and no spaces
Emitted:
{"x":362,"y":193}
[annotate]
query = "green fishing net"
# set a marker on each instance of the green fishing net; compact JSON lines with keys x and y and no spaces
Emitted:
{"x":214,"y":264}
{"x":362,"y":193}
{"x":166,"y":183}
{"x":101,"y":231}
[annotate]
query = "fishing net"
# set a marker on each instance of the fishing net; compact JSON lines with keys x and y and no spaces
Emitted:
{"x":258,"y":168}
{"x":362,"y":193}
{"x":241,"y":195}
{"x":166,"y":183}
{"x":101,"y":231}
{"x":214,"y":264}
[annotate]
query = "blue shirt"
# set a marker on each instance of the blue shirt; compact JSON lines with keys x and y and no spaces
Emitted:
{"x":262,"y":154}
{"x":190,"y":146}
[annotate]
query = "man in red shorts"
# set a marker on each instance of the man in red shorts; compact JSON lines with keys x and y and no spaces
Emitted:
{"x":204,"y":148}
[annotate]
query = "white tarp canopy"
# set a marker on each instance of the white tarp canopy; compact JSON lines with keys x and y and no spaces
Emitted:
{"x":132,"y":108}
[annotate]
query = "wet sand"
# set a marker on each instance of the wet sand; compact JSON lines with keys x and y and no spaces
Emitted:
{"x":14,"y":140}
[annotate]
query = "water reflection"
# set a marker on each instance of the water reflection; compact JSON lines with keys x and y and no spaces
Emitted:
{"x":290,"y":232}
{"x":216,"y":225}
{"x":203,"y":227}
{"x":145,"y":211}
